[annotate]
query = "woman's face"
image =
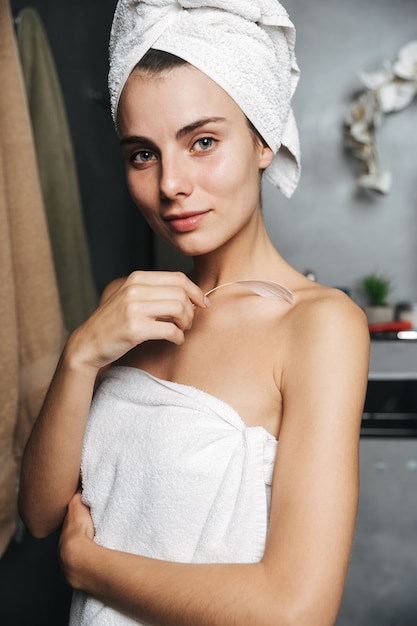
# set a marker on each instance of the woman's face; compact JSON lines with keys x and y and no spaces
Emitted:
{"x":192,"y":162}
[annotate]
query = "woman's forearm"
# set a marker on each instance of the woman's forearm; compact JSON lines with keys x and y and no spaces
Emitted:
{"x":176,"y":594}
{"x":51,"y":462}
{"x":162,"y":593}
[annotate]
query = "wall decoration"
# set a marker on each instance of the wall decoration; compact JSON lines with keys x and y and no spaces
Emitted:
{"x":390,"y":89}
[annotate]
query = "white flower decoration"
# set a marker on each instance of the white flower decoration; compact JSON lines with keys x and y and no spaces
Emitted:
{"x":393,"y":88}
{"x":406,"y":66}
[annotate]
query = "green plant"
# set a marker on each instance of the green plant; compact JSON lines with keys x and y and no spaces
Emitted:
{"x":376,"y":289}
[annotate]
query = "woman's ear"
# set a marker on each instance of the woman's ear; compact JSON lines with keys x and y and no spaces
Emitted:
{"x":266,"y":156}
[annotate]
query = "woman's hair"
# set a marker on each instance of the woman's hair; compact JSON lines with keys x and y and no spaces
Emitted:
{"x":157,"y":61}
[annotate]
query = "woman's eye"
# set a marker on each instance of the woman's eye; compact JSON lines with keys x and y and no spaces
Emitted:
{"x":143,"y":156}
{"x":205,"y":143}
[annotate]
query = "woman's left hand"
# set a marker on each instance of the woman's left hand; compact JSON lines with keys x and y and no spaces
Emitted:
{"x":76,"y":537}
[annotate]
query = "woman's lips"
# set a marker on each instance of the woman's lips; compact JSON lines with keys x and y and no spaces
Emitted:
{"x":186,"y":223}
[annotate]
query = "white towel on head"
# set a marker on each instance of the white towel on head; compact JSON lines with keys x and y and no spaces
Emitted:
{"x":173,"y":473}
{"x":245,"y":46}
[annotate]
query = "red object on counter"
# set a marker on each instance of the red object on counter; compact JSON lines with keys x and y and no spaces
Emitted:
{"x":390,"y":326}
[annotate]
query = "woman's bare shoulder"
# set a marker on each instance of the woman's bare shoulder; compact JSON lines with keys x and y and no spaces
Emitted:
{"x":320,"y":307}
{"x":323,"y":321}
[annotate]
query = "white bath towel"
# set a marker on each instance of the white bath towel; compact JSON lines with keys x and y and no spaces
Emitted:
{"x":173,"y":473}
{"x":245,"y":46}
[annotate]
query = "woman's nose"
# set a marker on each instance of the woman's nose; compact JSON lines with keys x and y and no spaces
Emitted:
{"x":175,"y":178}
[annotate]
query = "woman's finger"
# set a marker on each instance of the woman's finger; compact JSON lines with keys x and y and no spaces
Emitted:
{"x":169,"y":279}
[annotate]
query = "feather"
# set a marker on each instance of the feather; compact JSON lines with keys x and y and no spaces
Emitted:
{"x":264,"y":288}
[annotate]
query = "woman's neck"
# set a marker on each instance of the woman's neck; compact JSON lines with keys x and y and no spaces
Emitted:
{"x":259,"y":259}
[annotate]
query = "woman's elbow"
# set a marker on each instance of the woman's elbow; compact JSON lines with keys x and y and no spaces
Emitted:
{"x":302,"y":607}
{"x":36,"y":528}
{"x":35,"y":522}
{"x":287,"y":615}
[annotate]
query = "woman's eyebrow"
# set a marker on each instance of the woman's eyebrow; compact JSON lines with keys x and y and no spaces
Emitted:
{"x":190,"y":128}
{"x":134,"y":139}
{"x":185,"y":130}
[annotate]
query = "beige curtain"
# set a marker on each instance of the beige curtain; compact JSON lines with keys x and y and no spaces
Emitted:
{"x":31,"y":324}
{"x":57,"y":171}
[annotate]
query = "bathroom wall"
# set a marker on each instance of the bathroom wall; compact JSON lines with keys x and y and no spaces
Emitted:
{"x":328,"y":225}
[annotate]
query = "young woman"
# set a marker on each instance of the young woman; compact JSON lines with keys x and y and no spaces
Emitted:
{"x":191,"y":512}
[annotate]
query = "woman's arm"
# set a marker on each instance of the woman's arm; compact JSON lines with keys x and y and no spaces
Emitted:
{"x":314,"y":502}
{"x":147,"y":305}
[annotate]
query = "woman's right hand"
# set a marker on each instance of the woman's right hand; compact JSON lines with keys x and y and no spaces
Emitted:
{"x":146,"y":305}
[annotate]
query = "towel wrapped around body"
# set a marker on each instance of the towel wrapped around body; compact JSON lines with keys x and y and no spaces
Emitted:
{"x":172,"y":472}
